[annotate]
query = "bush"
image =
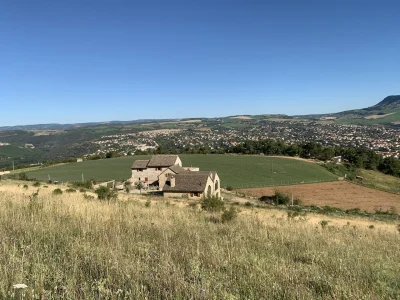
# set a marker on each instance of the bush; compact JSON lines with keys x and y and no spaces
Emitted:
{"x":229,"y":188}
{"x":57,"y":192}
{"x":229,"y":214}
{"x":87,"y":184}
{"x":297,"y":201}
{"x":88,"y":197}
{"x":105,"y":193}
{"x":248,"y":204}
{"x":212,"y":204}
{"x":281,"y":198}
{"x":323,"y":223}
{"x":36,"y":184}
{"x":70,"y":190}
{"x":25,"y":186}
{"x":22,"y":176}
{"x":148,"y":203}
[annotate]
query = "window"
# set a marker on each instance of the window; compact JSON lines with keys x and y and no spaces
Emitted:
{"x":146,"y":179}
{"x":191,"y":194}
{"x":159,"y":169}
{"x":166,"y":175}
{"x":197,"y":194}
{"x":216,"y":185}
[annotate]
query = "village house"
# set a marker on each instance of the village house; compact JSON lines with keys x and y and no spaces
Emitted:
{"x":147,"y":171}
{"x":166,"y":173}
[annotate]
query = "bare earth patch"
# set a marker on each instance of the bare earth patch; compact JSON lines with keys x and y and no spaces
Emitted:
{"x":374,"y":117}
{"x":242,"y":118}
{"x":191,"y":121}
{"x":336,"y":194}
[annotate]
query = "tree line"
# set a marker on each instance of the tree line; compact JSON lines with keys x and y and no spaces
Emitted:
{"x":356,"y":157}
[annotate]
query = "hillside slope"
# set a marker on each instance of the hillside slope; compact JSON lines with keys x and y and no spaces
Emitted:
{"x":385,"y":112}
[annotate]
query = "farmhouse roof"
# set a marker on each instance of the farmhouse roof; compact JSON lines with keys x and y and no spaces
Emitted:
{"x":162,"y":160}
{"x":188,"y":182}
{"x":212,"y":174}
{"x":177,"y":169}
{"x":140,"y":164}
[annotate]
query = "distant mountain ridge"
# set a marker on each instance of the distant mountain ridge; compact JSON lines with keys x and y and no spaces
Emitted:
{"x":56,"y":126}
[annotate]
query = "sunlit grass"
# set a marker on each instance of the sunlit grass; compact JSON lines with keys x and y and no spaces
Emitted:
{"x":71,"y":247}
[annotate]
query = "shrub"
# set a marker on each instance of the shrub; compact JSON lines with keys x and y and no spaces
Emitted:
{"x":229,"y":188}
{"x":212,"y":204}
{"x":148,"y":203}
{"x":281,"y":198}
{"x":323,"y":223}
{"x":105,"y":193}
{"x":267,"y":199}
{"x":297,"y":201}
{"x":248,"y":204}
{"x":22,"y":176}
{"x":36,"y":184}
{"x":292,"y":214}
{"x":25,"y":186}
{"x":371,"y":226}
{"x":57,"y":192}
{"x":70,"y":190}
{"x":87,"y":184}
{"x":229,"y":214}
{"x":88,"y":197}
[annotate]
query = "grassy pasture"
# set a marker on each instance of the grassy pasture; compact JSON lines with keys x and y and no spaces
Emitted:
{"x":69,"y":247}
{"x":235,"y":171}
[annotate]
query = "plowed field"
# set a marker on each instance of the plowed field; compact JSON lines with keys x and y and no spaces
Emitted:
{"x":336,"y":194}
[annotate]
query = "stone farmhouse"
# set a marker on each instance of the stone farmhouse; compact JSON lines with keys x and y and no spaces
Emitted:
{"x":165,"y":173}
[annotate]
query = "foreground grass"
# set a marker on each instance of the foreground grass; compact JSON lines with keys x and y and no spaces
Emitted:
{"x":69,"y":247}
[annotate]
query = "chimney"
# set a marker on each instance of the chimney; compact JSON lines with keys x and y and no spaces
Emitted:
{"x":172,"y":180}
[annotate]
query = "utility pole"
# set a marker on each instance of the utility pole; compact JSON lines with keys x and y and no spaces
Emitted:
{"x":82,"y":177}
{"x":13,"y":166}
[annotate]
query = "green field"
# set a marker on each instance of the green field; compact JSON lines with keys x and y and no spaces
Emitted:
{"x":236,"y":171}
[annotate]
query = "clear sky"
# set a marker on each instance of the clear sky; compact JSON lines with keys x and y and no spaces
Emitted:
{"x":81,"y":61}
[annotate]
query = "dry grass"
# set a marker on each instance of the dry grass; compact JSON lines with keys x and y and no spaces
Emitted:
{"x":70,"y":247}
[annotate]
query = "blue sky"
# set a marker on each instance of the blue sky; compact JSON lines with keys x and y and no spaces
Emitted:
{"x":81,"y":61}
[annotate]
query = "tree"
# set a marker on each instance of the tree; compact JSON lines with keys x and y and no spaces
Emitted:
{"x":390,"y":166}
{"x":139,"y":186}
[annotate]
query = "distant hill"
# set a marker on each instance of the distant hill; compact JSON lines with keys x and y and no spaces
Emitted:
{"x":385,"y":112}
{"x":55,"y":126}
{"x":390,"y":102}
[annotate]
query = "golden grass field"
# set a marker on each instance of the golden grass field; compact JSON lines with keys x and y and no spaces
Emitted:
{"x":69,"y":247}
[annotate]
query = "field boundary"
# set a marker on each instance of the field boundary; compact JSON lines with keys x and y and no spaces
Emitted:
{"x":288,"y":184}
{"x":371,"y":187}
